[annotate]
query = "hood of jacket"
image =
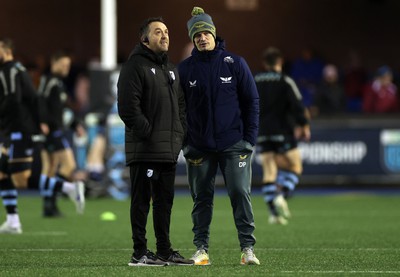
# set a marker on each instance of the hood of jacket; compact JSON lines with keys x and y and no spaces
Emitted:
{"x":207,"y":55}
{"x":142,"y":50}
{"x":151,"y":104}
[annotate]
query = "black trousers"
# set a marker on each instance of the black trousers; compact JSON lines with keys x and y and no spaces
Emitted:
{"x":151,"y":181}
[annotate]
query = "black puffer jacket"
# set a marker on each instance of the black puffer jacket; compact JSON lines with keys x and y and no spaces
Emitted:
{"x":151,"y":104}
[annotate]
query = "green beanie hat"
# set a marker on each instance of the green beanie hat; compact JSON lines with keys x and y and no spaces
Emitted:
{"x":200,"y":22}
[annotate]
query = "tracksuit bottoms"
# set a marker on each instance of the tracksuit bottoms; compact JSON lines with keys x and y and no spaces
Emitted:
{"x":235,"y":165}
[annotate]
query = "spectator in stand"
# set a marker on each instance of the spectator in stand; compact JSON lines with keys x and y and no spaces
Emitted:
{"x":330,"y":96}
{"x":307,"y":73}
{"x":355,"y":77}
{"x":381,"y":95}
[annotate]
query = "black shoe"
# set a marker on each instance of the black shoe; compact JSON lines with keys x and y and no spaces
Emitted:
{"x":148,"y":259}
{"x":50,"y":208}
{"x":52,"y":213}
{"x":176,"y":259}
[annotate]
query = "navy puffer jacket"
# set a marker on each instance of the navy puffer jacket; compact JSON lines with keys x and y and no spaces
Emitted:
{"x":222,"y":101}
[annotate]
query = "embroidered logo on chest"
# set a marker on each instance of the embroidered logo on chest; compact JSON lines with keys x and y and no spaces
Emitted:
{"x":193,"y":84}
{"x":226,"y":80}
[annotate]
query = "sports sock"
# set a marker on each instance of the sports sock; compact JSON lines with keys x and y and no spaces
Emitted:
{"x":49,"y":189}
{"x":269,"y":191}
{"x":288,"y":180}
{"x":13,"y":220}
{"x":67,"y":186}
{"x":49,"y":186}
{"x":9,"y":196}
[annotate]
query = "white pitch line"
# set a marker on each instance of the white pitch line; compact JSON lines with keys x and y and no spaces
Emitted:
{"x":344,"y":271}
{"x":59,"y":250}
{"x":214,"y":250}
{"x":327,"y":249}
{"x":43,"y":233}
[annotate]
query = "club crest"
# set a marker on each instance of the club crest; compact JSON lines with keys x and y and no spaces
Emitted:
{"x":195,"y":162}
{"x":172,"y":75}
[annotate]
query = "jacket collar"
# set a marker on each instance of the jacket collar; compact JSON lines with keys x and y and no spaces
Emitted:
{"x":142,"y":50}
{"x":219,"y":47}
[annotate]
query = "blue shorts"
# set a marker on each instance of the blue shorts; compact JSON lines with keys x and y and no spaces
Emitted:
{"x":56,"y":141}
{"x":17,"y":153}
{"x":277,"y":143}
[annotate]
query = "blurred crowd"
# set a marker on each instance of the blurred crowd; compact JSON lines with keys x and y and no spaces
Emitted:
{"x":329,"y":89}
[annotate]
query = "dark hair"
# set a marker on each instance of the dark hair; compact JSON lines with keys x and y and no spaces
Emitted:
{"x":7,"y":43}
{"x":271,"y":56}
{"x":59,"y":55}
{"x":144,"y":28}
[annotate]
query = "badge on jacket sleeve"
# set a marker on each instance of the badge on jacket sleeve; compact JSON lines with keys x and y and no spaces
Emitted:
{"x":172,"y":75}
{"x":229,"y":59}
{"x":149,"y":173}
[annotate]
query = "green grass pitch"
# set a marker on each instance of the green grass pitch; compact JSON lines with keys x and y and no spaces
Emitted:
{"x":348,"y":234}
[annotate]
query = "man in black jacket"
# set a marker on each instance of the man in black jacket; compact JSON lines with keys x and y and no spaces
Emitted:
{"x":58,"y":156}
{"x":151,"y":104}
{"x":17,"y":107}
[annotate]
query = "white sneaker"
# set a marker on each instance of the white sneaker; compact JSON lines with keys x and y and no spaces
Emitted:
{"x":277,"y":220}
{"x":78,"y":196}
{"x":5,"y":228}
{"x":201,"y":257}
{"x":248,"y":257}
{"x":282,"y":206}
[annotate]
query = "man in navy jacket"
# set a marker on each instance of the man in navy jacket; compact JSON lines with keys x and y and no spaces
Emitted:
{"x":222,"y":124}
